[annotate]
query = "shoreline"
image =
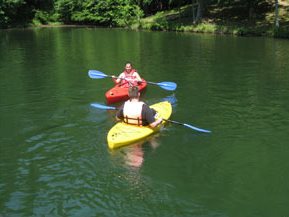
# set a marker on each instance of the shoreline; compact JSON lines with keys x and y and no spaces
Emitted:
{"x":204,"y":28}
{"x":211,"y":29}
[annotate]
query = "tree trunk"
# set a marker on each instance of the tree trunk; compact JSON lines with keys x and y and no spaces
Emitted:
{"x":198,"y":8}
{"x":276,"y":14}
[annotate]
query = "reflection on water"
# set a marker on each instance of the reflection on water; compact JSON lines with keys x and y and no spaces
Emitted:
{"x":133,"y":155}
{"x":172,"y":99}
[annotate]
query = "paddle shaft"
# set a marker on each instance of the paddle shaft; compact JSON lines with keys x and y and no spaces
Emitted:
{"x":166,"y":85}
{"x":96,"y":105}
{"x":175,"y":122}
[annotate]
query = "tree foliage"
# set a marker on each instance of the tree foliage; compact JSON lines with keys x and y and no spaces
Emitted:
{"x":109,"y":12}
{"x":9,"y":11}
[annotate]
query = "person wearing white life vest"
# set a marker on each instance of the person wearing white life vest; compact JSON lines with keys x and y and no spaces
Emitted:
{"x":129,"y":77}
{"x":136,"y":112}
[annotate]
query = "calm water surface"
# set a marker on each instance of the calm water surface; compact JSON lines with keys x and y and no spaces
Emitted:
{"x":54,"y":159}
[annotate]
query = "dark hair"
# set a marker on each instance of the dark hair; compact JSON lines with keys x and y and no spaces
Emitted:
{"x":133,"y":92}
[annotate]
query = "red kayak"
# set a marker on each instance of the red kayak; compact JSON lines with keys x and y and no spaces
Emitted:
{"x":120,"y":92}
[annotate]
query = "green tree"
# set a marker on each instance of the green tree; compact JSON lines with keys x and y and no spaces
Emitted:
{"x":65,"y":9}
{"x":107,"y":13}
{"x":9,"y":12}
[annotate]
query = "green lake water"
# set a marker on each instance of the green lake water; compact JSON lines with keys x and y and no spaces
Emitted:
{"x":54,"y":158}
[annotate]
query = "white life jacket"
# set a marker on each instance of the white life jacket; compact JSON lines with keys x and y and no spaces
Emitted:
{"x":132,"y":112}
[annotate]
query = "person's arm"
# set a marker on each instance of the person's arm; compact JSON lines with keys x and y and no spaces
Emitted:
{"x":114,"y":79}
{"x":156,"y":123}
{"x":138,"y":78}
{"x":119,"y":114}
{"x":118,"y":79}
{"x":149,"y":116}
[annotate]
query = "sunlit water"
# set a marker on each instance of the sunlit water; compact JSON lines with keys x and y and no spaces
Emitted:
{"x":54,"y":159}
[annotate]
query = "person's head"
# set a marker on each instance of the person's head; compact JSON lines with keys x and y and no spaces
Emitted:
{"x":128,"y":67}
{"x":133,"y":92}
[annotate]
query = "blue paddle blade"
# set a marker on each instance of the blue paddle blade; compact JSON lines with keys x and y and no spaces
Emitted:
{"x":94,"y":74}
{"x":171,"y":99}
{"x":197,"y":129}
{"x":167,"y":85}
{"x":100,"y":106}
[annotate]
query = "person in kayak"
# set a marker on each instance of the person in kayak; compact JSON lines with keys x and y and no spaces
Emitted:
{"x":129,"y":77}
{"x":136,"y":112}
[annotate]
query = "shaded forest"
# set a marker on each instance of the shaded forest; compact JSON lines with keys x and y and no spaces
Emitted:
{"x":125,"y":13}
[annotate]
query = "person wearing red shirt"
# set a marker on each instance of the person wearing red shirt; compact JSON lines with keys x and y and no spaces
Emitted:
{"x":129,"y":77}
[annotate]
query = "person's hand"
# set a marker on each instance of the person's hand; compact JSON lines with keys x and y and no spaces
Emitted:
{"x":114,"y":78}
{"x":160,"y":120}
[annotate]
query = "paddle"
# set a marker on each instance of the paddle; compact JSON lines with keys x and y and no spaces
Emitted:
{"x":167,"y":85}
{"x":100,"y":106}
{"x":189,"y":126}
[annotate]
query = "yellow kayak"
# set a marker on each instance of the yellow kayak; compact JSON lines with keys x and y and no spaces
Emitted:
{"x":122,"y":134}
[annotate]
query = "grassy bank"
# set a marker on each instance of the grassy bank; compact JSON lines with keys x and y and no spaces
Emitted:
{"x":224,"y":20}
